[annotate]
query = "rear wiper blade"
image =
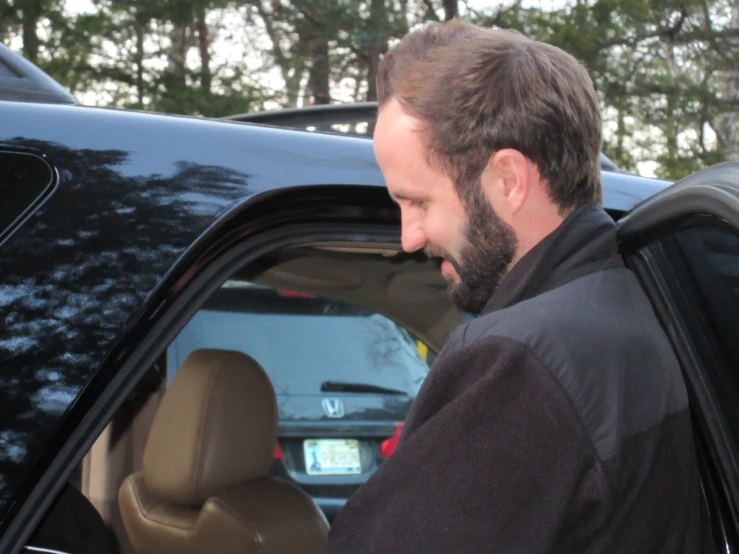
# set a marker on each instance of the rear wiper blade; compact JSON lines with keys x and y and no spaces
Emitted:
{"x":341,"y":386}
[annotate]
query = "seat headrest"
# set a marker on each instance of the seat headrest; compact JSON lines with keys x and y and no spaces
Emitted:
{"x":215,"y":428}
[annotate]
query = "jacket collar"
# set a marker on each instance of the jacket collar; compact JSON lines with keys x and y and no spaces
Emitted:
{"x":584,"y":243}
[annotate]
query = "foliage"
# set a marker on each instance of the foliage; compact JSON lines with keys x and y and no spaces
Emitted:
{"x":665,"y":70}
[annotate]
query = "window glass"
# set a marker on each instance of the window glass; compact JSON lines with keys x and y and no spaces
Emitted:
{"x":304,"y":342}
{"x":23,"y":179}
{"x":7,"y":72}
{"x":711,"y":251}
{"x":721,"y":248}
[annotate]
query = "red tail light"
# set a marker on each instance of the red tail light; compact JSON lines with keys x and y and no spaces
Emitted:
{"x":387,"y":448}
{"x":295,"y":293}
{"x":279,"y":454}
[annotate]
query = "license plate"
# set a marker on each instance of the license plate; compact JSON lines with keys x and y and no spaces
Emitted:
{"x":332,"y":457}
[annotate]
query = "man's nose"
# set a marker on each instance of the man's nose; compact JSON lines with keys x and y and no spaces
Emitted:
{"x":412,"y":237}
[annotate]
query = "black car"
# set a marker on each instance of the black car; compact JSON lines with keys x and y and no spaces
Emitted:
{"x":117,"y":228}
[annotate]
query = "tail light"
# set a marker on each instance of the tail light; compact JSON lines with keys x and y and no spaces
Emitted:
{"x":279,"y":454}
{"x":295,"y":293}
{"x":387,"y":448}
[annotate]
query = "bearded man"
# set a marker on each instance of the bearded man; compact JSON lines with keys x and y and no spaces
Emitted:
{"x":557,"y":420}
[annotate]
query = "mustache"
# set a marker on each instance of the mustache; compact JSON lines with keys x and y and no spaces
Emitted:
{"x":436,"y":252}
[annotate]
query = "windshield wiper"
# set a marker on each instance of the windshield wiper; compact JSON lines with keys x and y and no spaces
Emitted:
{"x":341,"y":386}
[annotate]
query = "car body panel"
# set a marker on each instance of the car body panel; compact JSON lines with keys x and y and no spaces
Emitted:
{"x":135,"y":192}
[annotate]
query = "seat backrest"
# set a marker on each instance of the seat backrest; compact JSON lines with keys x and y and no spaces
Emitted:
{"x":205,"y":484}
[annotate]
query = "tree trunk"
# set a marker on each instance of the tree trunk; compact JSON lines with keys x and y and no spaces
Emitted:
{"x":293,"y":80}
{"x":292,"y":68}
{"x":139,"y":28}
{"x":319,"y":76}
{"x":204,"y":47}
{"x":671,"y":127}
{"x":731,"y":119}
{"x":7,"y":18}
{"x":451,"y":9}
{"x":430,"y":10}
{"x":378,"y":28}
{"x":620,"y":134}
{"x":360,"y":78}
{"x":731,"y":122}
{"x":32,"y":10}
{"x":176,"y":80}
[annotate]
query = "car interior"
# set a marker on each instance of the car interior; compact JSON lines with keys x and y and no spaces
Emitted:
{"x":170,"y":474}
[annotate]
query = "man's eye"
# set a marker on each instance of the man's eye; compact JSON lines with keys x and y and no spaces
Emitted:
{"x":417,"y":203}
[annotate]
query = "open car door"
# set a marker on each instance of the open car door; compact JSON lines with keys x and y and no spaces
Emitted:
{"x":683,"y":245}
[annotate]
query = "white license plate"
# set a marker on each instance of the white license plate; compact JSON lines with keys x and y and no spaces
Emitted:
{"x":332,"y":457}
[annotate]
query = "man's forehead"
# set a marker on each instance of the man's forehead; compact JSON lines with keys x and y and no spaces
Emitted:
{"x":394,"y":125}
{"x":398,"y":147}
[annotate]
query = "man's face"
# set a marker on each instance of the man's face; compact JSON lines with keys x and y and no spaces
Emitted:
{"x":475,"y":247}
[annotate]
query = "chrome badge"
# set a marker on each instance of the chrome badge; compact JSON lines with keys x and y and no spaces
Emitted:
{"x":333,"y":407}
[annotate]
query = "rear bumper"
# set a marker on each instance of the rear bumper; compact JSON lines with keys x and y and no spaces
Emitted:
{"x":330,"y":506}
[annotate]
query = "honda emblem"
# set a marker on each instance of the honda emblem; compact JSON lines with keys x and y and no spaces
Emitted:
{"x":333,"y":407}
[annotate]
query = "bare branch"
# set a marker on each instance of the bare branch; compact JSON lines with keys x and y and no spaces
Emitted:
{"x":272,"y":34}
{"x":681,"y":39}
{"x":496,"y":19}
{"x":309,"y":17}
{"x":451,"y":9}
{"x":430,"y":10}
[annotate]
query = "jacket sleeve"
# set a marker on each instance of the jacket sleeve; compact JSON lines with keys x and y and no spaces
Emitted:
{"x":494,"y":458}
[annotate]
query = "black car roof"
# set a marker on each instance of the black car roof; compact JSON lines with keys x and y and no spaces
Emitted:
{"x":622,"y":190}
{"x":22,"y":80}
{"x":326,"y":117}
{"x":296,"y":157}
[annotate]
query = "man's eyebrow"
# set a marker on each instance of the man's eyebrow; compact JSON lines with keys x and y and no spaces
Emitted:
{"x":403,"y":196}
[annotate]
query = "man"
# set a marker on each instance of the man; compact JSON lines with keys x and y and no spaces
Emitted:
{"x":557,"y":421}
{"x":73,"y":525}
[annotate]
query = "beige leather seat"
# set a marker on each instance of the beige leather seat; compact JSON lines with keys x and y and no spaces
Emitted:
{"x":204,"y":487}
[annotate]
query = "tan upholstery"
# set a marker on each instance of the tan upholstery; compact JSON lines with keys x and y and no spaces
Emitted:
{"x":205,"y":485}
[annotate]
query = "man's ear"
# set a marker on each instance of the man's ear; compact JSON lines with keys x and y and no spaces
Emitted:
{"x":507,"y":180}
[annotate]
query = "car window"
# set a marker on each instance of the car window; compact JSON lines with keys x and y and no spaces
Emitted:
{"x":711,"y":252}
{"x":23,"y":180}
{"x":307,"y":344}
{"x":699,"y":261}
{"x":699,"y":268}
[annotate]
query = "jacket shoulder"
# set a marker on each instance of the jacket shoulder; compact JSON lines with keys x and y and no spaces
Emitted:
{"x":601,"y":340}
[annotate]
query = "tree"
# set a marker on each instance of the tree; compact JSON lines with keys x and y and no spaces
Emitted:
{"x":665,"y":70}
{"x":302,"y":34}
{"x":658,"y":68}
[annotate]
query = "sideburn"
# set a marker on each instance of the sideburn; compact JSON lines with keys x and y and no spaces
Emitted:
{"x":487,"y":256}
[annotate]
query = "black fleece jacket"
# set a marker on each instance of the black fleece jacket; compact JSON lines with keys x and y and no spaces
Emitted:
{"x":557,"y":421}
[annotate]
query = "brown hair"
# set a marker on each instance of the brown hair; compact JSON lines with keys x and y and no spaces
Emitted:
{"x":477,"y":91}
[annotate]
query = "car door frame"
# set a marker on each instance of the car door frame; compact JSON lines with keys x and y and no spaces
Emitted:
{"x":711,"y":193}
{"x":286,"y":218}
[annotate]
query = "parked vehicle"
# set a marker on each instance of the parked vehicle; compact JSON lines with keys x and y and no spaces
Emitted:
{"x":344,"y":376}
{"x":118,"y":228}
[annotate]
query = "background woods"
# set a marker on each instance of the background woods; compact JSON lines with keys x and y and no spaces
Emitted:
{"x":667,"y":71}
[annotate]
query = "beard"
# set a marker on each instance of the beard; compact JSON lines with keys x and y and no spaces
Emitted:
{"x":484,"y":260}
